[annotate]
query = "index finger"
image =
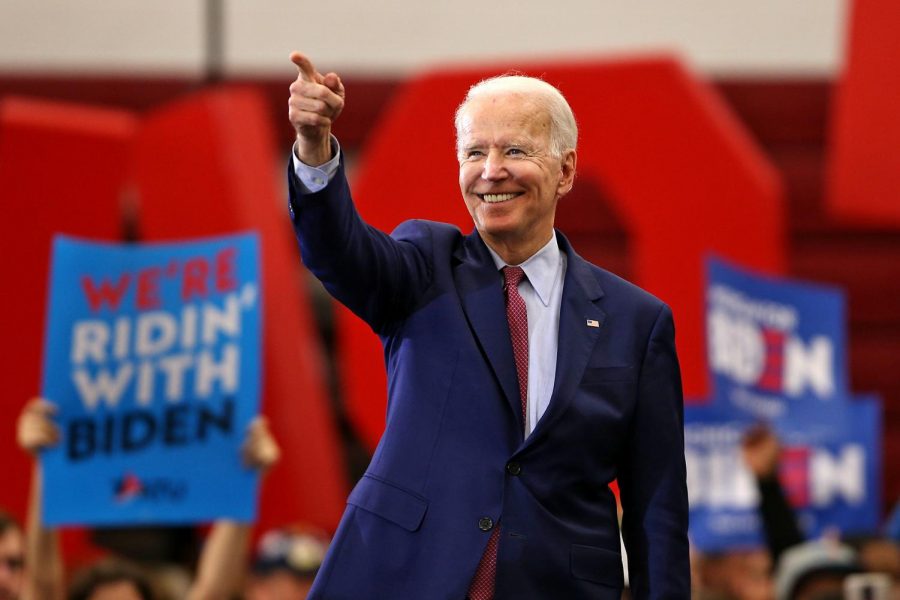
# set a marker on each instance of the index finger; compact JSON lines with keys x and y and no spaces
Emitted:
{"x":305,"y":65}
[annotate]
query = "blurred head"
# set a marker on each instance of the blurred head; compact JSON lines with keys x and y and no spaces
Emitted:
{"x":877,"y":554}
{"x":744,"y":574}
{"x":515,"y":140}
{"x":285,"y":564}
{"x":110,"y":580}
{"x":277,"y":585}
{"x":814,"y":570}
{"x":12,"y":558}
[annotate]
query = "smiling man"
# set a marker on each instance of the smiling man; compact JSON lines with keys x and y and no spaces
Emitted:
{"x":522,"y":379}
{"x":512,"y":172}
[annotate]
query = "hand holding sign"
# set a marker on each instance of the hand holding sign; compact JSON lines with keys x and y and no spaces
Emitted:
{"x":315,"y":103}
{"x":34,"y":430}
{"x":761,"y":450}
{"x":260,"y":450}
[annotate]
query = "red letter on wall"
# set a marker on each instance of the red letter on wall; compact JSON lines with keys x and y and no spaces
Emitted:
{"x":681,"y":172}
{"x":864,"y":162}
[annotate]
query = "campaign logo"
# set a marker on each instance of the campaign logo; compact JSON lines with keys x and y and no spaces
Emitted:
{"x":127,"y":488}
{"x":130,"y":488}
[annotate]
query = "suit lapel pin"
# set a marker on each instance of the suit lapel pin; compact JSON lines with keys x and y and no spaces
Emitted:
{"x":593,"y":323}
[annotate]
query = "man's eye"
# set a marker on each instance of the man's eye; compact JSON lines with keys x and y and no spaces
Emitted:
{"x":474,"y":154}
{"x":515,"y":152}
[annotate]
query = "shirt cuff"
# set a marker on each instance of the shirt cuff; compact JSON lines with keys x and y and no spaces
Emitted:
{"x":314,"y":179}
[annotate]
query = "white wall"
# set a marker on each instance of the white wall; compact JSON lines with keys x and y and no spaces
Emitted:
{"x":391,"y":37}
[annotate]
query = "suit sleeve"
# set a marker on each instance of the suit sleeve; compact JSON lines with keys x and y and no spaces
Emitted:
{"x":377,"y":276}
{"x":653,"y":478}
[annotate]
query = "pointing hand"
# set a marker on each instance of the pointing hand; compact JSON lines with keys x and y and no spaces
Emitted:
{"x":316,"y":101}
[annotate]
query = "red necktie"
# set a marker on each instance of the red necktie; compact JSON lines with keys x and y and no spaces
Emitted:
{"x":482,"y":586}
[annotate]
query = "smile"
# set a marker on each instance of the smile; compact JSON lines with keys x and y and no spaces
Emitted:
{"x":494,"y":198}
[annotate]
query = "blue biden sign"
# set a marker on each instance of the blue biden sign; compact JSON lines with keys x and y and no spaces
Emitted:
{"x":152,"y":355}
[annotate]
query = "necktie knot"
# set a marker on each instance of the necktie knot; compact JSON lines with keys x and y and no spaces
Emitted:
{"x":512,"y":276}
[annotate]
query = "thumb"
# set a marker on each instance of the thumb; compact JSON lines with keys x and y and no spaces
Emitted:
{"x":333,"y":83}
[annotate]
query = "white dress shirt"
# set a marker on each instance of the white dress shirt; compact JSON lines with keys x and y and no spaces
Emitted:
{"x":314,"y":179}
{"x":542,"y":291}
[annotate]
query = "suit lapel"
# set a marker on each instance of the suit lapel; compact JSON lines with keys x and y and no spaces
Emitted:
{"x":481,"y":295}
{"x":578,"y":314}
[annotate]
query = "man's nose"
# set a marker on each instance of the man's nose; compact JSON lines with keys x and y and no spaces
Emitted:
{"x":494,"y":167}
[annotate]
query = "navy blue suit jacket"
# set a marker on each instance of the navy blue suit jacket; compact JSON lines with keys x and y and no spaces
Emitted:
{"x":452,"y":462}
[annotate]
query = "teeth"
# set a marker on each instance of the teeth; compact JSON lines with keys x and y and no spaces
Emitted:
{"x":498,"y":197}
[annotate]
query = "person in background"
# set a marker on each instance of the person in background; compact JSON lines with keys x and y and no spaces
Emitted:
{"x":286,"y":563}
{"x":761,"y":450}
{"x":111,"y":580}
{"x":815,"y":570}
{"x":12,"y":558}
{"x":740,"y":574}
{"x":877,"y":554}
{"x":221,"y":563}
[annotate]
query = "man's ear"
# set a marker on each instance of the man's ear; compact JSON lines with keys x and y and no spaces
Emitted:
{"x":567,"y":172}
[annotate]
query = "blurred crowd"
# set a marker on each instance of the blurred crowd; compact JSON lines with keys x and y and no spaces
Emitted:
{"x":282,"y":563}
{"x":281,"y":566}
{"x":839,"y":565}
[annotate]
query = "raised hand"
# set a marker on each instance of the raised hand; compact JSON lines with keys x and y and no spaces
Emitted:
{"x":260,"y":450}
{"x":761,"y":450}
{"x":35,"y":431}
{"x":316,"y":101}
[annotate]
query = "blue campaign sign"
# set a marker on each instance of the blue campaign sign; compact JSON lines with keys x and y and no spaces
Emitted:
{"x":830,"y":470}
{"x":152,"y":354}
{"x":773,"y":342}
{"x":722,"y":493}
{"x":831,"y":464}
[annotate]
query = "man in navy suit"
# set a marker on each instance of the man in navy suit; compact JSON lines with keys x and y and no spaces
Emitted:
{"x":522,"y":380}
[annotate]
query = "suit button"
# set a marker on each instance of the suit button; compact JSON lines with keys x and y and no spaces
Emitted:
{"x":485,"y":523}
{"x":513,"y":468}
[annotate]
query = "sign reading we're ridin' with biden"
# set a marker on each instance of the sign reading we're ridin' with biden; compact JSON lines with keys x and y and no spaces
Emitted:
{"x":152,"y":355}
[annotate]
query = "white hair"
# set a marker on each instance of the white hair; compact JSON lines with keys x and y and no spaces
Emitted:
{"x":563,"y":129}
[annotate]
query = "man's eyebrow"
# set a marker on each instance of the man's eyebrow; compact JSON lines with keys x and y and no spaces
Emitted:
{"x":513,"y":143}
{"x":523,"y":142}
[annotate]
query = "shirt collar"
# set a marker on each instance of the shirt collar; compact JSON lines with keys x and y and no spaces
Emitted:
{"x":541,"y":269}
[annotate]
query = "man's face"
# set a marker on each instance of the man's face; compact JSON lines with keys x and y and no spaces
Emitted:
{"x":509,"y":180}
{"x":12,"y":562}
